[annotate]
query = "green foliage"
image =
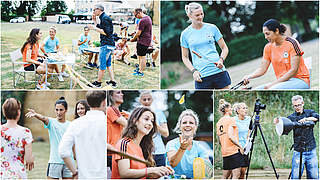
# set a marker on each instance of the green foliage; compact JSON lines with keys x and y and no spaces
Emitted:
{"x":19,"y":95}
{"x":54,"y":7}
{"x":245,"y":48}
{"x":278,"y":104}
{"x":11,"y":9}
{"x":172,"y":78}
{"x":96,"y":43}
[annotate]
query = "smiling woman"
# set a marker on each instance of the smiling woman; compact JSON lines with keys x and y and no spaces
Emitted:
{"x":137,"y":141}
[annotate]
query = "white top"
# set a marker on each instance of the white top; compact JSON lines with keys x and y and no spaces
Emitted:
{"x":88,"y":134}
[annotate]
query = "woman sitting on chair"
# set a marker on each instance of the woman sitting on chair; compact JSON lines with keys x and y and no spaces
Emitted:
{"x":30,"y":53}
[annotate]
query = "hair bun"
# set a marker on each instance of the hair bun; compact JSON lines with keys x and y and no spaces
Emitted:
{"x":61,"y":98}
{"x":222,"y":101}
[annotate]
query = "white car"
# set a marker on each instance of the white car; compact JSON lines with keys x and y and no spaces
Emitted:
{"x":18,"y":20}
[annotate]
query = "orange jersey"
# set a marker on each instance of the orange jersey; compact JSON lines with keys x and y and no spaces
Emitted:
{"x":127,"y":146}
{"x":114,"y":129}
{"x":34,"y":53}
{"x":281,"y":57}
{"x":228,"y":148}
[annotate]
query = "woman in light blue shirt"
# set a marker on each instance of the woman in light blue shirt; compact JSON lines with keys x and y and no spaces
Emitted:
{"x":182,"y":150}
{"x":199,"y":38}
{"x":244,"y":125}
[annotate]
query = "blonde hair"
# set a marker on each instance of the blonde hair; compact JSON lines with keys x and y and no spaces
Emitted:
{"x":223,"y":104}
{"x":145,"y":92}
{"x":53,"y":27}
{"x":187,"y":112}
{"x":237,"y":106}
{"x":189,"y":8}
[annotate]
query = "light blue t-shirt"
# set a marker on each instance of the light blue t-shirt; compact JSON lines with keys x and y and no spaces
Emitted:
{"x":56,"y":131}
{"x":185,"y":166}
{"x":82,"y":37}
{"x":202,"y":41}
{"x":157,"y":140}
{"x":243,"y":128}
{"x":50,"y":45}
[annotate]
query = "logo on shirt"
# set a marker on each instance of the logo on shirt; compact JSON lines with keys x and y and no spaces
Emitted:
{"x":285,"y":54}
{"x":210,"y":38}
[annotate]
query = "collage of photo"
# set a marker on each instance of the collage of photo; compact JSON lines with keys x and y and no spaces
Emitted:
{"x":158,"y":89}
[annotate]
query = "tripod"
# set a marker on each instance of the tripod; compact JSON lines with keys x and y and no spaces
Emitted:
{"x":253,"y":133}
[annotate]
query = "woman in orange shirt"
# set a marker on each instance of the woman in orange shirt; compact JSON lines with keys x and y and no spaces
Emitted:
{"x":231,"y":150}
{"x":285,"y":55}
{"x":137,"y":141}
{"x":30,"y":54}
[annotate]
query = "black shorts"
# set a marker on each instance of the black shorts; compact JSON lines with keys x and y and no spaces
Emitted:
{"x":216,"y":81}
{"x":109,"y":161}
{"x":141,"y":49}
{"x":232,"y":162}
{"x":244,"y":161}
{"x":31,"y":67}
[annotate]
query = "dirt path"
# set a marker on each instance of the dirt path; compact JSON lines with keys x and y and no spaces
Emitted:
{"x":311,"y":48}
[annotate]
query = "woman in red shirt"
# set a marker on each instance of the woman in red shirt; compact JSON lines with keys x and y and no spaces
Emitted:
{"x":137,"y":141}
{"x":30,"y":54}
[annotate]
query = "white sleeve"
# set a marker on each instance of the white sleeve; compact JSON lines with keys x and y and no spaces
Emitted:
{"x":66,"y":143}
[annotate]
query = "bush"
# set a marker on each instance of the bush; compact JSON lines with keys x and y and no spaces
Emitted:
{"x":245,"y":48}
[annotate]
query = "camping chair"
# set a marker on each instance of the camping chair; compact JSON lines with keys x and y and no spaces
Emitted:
{"x":17,"y":68}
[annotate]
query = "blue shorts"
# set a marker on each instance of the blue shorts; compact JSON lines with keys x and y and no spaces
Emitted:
{"x":216,"y":81}
{"x":105,"y":57}
{"x":292,"y":83}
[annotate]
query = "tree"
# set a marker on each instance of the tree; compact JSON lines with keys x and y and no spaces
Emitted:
{"x":19,"y":8}
{"x":54,"y":7}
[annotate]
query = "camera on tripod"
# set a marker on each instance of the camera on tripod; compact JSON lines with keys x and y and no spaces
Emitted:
{"x":258,"y":106}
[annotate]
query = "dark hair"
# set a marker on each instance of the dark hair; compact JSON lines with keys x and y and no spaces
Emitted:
{"x":137,"y":10}
{"x":10,"y":108}
{"x":273,"y":25}
{"x":86,"y":27}
{"x":63,"y":102}
{"x":86,"y":106}
{"x":131,"y":131}
{"x":32,"y":39}
{"x":95,"y":98}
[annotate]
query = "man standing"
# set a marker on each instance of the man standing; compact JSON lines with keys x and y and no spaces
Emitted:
{"x":143,"y":37}
{"x":87,"y":134}
{"x":304,"y":140}
{"x":105,"y":28}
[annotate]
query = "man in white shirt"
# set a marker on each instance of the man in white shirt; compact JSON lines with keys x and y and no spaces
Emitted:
{"x":88,"y":134}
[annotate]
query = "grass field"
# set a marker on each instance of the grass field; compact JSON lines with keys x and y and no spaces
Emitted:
{"x":14,"y":35}
{"x":41,"y":153}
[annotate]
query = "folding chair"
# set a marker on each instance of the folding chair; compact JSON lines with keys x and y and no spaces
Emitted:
{"x":17,"y":68}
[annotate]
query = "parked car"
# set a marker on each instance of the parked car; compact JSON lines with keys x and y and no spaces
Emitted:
{"x":63,"y":19}
{"x":18,"y":20}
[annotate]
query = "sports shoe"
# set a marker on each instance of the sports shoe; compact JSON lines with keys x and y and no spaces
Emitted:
{"x":90,"y":64}
{"x":48,"y":84}
{"x":136,"y":70}
{"x":96,"y":84}
{"x":64,"y":74}
{"x":113,"y":84}
{"x":153,"y":64}
{"x":60,"y":78}
{"x":138,"y":74}
{"x":95,"y":65}
{"x":42,"y":87}
{"x":134,"y":56}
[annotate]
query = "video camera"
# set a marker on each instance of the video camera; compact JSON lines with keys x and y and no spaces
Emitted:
{"x":258,"y":106}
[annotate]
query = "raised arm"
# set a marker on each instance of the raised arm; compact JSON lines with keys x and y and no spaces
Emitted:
{"x":175,"y":156}
{"x":163,"y":129}
{"x":33,"y":113}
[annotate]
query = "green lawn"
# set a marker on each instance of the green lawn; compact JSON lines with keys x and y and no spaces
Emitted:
{"x":14,"y":35}
{"x":41,"y":153}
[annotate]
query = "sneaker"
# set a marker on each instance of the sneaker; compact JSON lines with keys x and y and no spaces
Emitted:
{"x":134,"y":56}
{"x":148,"y":64}
{"x":136,"y":70}
{"x":95,"y":65}
{"x":48,"y":84}
{"x":153,"y":64}
{"x":113,"y":84}
{"x":90,"y":64}
{"x":64,"y":74}
{"x":60,"y":78}
{"x":138,"y":74}
{"x":96,"y":84}
{"x":42,"y":87}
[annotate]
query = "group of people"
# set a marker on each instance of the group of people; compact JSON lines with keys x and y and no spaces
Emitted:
{"x":234,"y":132}
{"x":35,"y":61}
{"x":139,"y":134}
{"x":69,"y":140}
{"x":207,"y":66}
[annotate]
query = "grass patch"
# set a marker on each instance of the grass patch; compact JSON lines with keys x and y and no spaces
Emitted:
{"x":14,"y":35}
{"x":41,"y":152}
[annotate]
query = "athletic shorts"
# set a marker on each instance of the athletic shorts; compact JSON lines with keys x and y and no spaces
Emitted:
{"x":141,"y":49}
{"x":31,"y":67}
{"x":244,"y":161}
{"x":216,"y":81}
{"x":56,"y":170}
{"x":232,"y":162}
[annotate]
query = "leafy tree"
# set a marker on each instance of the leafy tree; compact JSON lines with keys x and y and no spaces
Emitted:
{"x":19,"y":8}
{"x":54,"y":7}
